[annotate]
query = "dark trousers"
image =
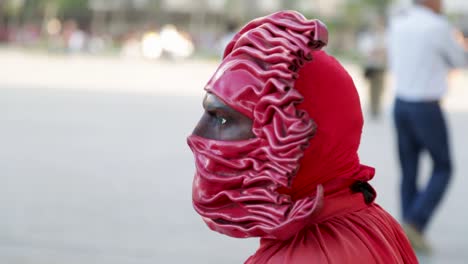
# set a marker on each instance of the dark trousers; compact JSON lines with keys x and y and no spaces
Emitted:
{"x":421,"y":126}
{"x":376,"y":77}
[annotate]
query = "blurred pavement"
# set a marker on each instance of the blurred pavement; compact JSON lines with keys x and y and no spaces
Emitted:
{"x":94,"y":167}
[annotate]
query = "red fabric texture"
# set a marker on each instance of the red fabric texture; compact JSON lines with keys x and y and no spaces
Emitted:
{"x":236,"y":183}
{"x":332,"y":101}
{"x":290,"y":185}
{"x":346,"y":230}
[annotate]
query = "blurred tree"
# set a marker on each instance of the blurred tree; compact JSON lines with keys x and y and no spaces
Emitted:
{"x":289,"y":4}
{"x":67,"y":8}
{"x":70,"y":6}
{"x":359,"y":13}
{"x":358,"y":9}
{"x":25,"y":11}
{"x":11,"y":9}
{"x":154,"y":11}
{"x":355,"y":15}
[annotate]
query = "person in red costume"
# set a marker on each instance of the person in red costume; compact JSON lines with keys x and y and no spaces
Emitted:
{"x":276,"y":152}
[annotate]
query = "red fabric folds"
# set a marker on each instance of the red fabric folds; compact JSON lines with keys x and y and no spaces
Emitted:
{"x":234,"y":190}
{"x":366,"y":236}
{"x":290,"y":185}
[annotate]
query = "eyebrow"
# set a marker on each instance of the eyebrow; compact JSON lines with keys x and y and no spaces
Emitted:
{"x":212,"y":105}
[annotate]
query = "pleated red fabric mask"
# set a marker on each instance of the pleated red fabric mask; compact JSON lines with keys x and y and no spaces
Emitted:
{"x":302,"y":168}
{"x":236,"y":184}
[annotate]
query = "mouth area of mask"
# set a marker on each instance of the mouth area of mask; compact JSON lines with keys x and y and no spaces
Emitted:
{"x":238,"y":196}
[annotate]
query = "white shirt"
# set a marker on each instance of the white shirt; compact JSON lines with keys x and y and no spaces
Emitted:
{"x":422,"y":49}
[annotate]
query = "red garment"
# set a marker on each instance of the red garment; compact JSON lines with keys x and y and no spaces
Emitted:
{"x":346,"y":230}
{"x":236,"y":182}
{"x":291,"y":184}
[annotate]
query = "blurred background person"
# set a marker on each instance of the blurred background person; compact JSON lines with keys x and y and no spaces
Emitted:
{"x":75,"y":37}
{"x":372,"y":46}
{"x":422,"y":50}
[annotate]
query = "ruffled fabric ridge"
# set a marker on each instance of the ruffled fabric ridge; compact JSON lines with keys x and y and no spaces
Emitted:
{"x":237,"y":196}
{"x":290,"y":185}
{"x":235,"y":188}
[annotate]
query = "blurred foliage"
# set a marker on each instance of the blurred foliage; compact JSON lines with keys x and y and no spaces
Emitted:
{"x":354,"y":10}
{"x":35,"y":7}
{"x":67,"y":6}
{"x":360,"y":11}
{"x":356,"y":15}
{"x":11,"y":7}
{"x":343,"y":25}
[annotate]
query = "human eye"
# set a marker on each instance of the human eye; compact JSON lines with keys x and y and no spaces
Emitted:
{"x":218,"y":118}
{"x":222,"y":120}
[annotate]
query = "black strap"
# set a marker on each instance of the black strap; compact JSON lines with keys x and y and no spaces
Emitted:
{"x":366,"y":189}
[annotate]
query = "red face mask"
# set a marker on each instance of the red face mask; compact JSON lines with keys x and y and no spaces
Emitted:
{"x":235,"y":190}
{"x":298,"y":184}
{"x":236,"y":183}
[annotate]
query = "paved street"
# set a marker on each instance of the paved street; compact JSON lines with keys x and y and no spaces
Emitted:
{"x":94,"y":167}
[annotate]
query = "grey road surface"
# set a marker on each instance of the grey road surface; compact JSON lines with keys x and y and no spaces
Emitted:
{"x":104,"y":175}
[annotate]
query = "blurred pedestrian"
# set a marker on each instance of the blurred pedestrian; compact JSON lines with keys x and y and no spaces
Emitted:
{"x":74,"y":37}
{"x":422,"y":50}
{"x":372,"y":46}
{"x":276,"y":152}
